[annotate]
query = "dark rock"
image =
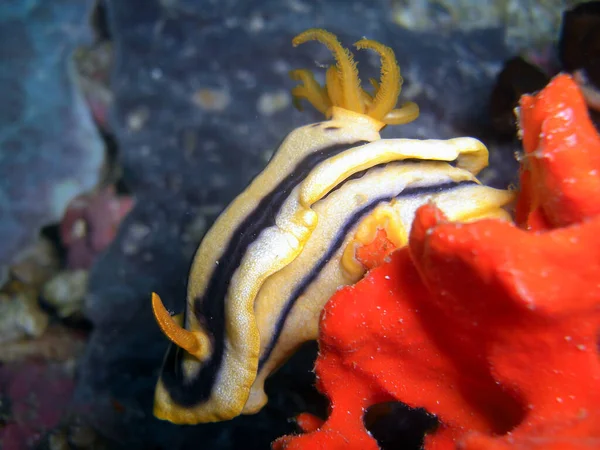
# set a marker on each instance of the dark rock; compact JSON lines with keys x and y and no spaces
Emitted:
{"x":518,"y":77}
{"x":579,"y":41}
{"x":200,"y":94}
{"x":395,"y":425}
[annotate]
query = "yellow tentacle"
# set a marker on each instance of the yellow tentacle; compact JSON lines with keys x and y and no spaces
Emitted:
{"x":334,"y":86}
{"x":405,"y":114}
{"x":195,"y":344}
{"x":343,"y":89}
{"x":345,"y":66}
{"x":391,"y":81}
{"x":310,"y":90}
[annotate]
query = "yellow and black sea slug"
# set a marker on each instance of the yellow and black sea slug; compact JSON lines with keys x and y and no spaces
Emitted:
{"x":265,"y":269}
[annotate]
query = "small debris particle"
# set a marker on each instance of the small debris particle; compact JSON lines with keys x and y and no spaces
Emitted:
{"x":66,"y":291}
{"x":270,"y":103}
{"x":138,"y":118}
{"x":256,"y":23}
{"x":211,"y":99}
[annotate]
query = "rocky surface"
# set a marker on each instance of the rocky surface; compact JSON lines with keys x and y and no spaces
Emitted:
{"x":527,"y":24}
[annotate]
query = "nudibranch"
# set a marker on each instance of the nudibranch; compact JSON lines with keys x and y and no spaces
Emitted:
{"x":278,"y":252}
